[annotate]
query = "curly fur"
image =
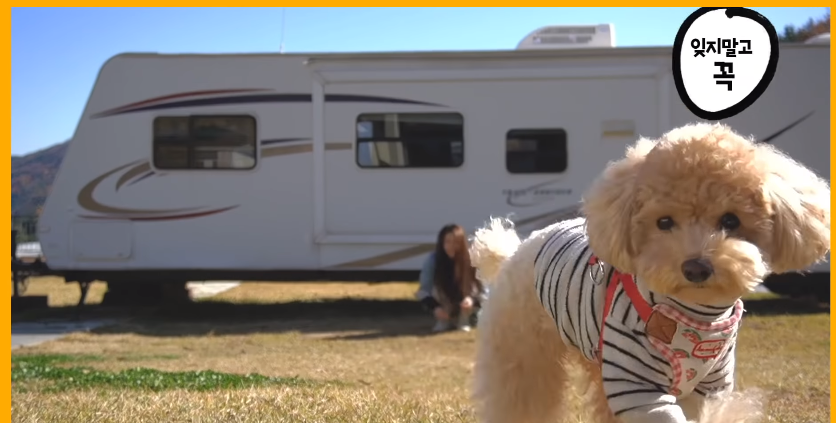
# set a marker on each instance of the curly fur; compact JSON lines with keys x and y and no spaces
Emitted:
{"x":491,"y":245}
{"x":693,"y":174}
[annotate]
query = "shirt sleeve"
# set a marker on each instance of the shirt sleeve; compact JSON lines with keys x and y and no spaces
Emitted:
{"x":633,"y":377}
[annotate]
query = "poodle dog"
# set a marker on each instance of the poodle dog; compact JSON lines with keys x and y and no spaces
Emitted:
{"x":642,"y":293}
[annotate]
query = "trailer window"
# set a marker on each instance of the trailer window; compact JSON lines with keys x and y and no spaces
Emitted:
{"x":410,"y":140}
{"x":536,"y":151}
{"x":204,"y":142}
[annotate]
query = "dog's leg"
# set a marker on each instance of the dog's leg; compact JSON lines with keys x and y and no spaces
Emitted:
{"x":518,"y":374}
{"x":594,"y":398}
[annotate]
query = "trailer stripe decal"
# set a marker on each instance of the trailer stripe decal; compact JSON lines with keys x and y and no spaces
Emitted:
{"x":282,"y":140}
{"x":338,"y":146}
{"x":133,"y":172}
{"x":173,"y":217}
{"x":249,"y":99}
{"x":389,"y":257}
{"x":787,"y":128}
{"x":352,"y":98}
{"x":147,"y":175}
{"x":302,"y":148}
{"x":184,"y":94}
{"x":85,"y":198}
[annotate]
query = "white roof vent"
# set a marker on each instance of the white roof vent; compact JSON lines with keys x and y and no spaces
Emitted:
{"x":569,"y":36}
{"x":819,"y":39}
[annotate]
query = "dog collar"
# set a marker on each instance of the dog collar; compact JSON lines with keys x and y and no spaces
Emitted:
{"x":626,"y":280}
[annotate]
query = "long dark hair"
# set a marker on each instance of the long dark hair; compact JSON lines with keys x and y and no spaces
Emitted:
{"x":454,"y":277}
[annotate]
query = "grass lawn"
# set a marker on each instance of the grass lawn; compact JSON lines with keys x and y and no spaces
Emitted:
{"x":333,"y":352}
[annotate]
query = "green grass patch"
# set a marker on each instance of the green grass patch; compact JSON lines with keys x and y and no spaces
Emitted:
{"x":61,"y":377}
{"x":47,"y":359}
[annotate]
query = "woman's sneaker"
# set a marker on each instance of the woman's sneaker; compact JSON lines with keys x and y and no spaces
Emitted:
{"x":464,"y":323}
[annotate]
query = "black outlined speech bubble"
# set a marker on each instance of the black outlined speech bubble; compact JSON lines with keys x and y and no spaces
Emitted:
{"x":723,"y":60}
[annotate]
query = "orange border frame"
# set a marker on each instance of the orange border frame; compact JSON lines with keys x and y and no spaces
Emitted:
{"x":832,"y":296}
{"x":7,"y":163}
{"x":7,"y":170}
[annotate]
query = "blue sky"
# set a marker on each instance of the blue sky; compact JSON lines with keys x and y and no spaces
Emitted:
{"x":56,"y":52}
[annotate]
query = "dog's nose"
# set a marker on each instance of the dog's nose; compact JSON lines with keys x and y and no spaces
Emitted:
{"x":697,"y":270}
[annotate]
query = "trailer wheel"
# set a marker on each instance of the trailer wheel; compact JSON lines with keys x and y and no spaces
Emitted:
{"x":21,"y":282}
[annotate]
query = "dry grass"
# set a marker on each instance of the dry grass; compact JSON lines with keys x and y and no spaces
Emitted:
{"x":62,"y":294}
{"x":255,"y":292}
{"x":388,"y":368}
{"x":251,"y":405}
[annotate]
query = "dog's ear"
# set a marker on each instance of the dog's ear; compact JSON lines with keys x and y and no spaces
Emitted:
{"x":800,"y":212}
{"x":609,"y":204}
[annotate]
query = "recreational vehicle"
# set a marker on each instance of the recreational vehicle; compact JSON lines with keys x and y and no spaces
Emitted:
{"x":344,"y":166}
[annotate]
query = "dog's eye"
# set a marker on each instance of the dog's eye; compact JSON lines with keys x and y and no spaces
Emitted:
{"x":729,"y":222}
{"x":664,"y":223}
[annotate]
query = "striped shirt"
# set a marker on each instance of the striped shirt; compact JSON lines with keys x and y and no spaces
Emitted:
{"x":635,"y":374}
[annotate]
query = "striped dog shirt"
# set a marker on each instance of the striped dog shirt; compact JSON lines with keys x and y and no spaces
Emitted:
{"x":636,"y":373}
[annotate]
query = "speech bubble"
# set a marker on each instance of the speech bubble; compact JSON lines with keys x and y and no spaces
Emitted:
{"x":723,"y":60}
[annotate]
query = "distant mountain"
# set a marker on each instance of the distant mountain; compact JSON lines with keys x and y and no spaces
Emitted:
{"x":32,"y":177}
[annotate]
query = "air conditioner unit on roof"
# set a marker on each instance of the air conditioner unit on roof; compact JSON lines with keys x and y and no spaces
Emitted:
{"x":569,"y":36}
{"x":819,"y":39}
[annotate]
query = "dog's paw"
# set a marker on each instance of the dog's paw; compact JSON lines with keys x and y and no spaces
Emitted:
{"x":735,"y":407}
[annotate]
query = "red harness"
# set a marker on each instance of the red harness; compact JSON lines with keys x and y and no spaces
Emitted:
{"x":633,"y":293}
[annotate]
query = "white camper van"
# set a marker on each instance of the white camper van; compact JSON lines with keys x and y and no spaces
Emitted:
{"x":345,"y":166}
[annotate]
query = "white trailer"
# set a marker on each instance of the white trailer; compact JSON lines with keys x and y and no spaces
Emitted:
{"x":345,"y":166}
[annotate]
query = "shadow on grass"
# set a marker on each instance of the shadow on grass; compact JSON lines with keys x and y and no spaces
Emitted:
{"x":354,"y":319}
{"x":332,"y":319}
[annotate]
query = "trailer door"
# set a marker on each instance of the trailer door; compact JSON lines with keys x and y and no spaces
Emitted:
{"x":379,"y":195}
